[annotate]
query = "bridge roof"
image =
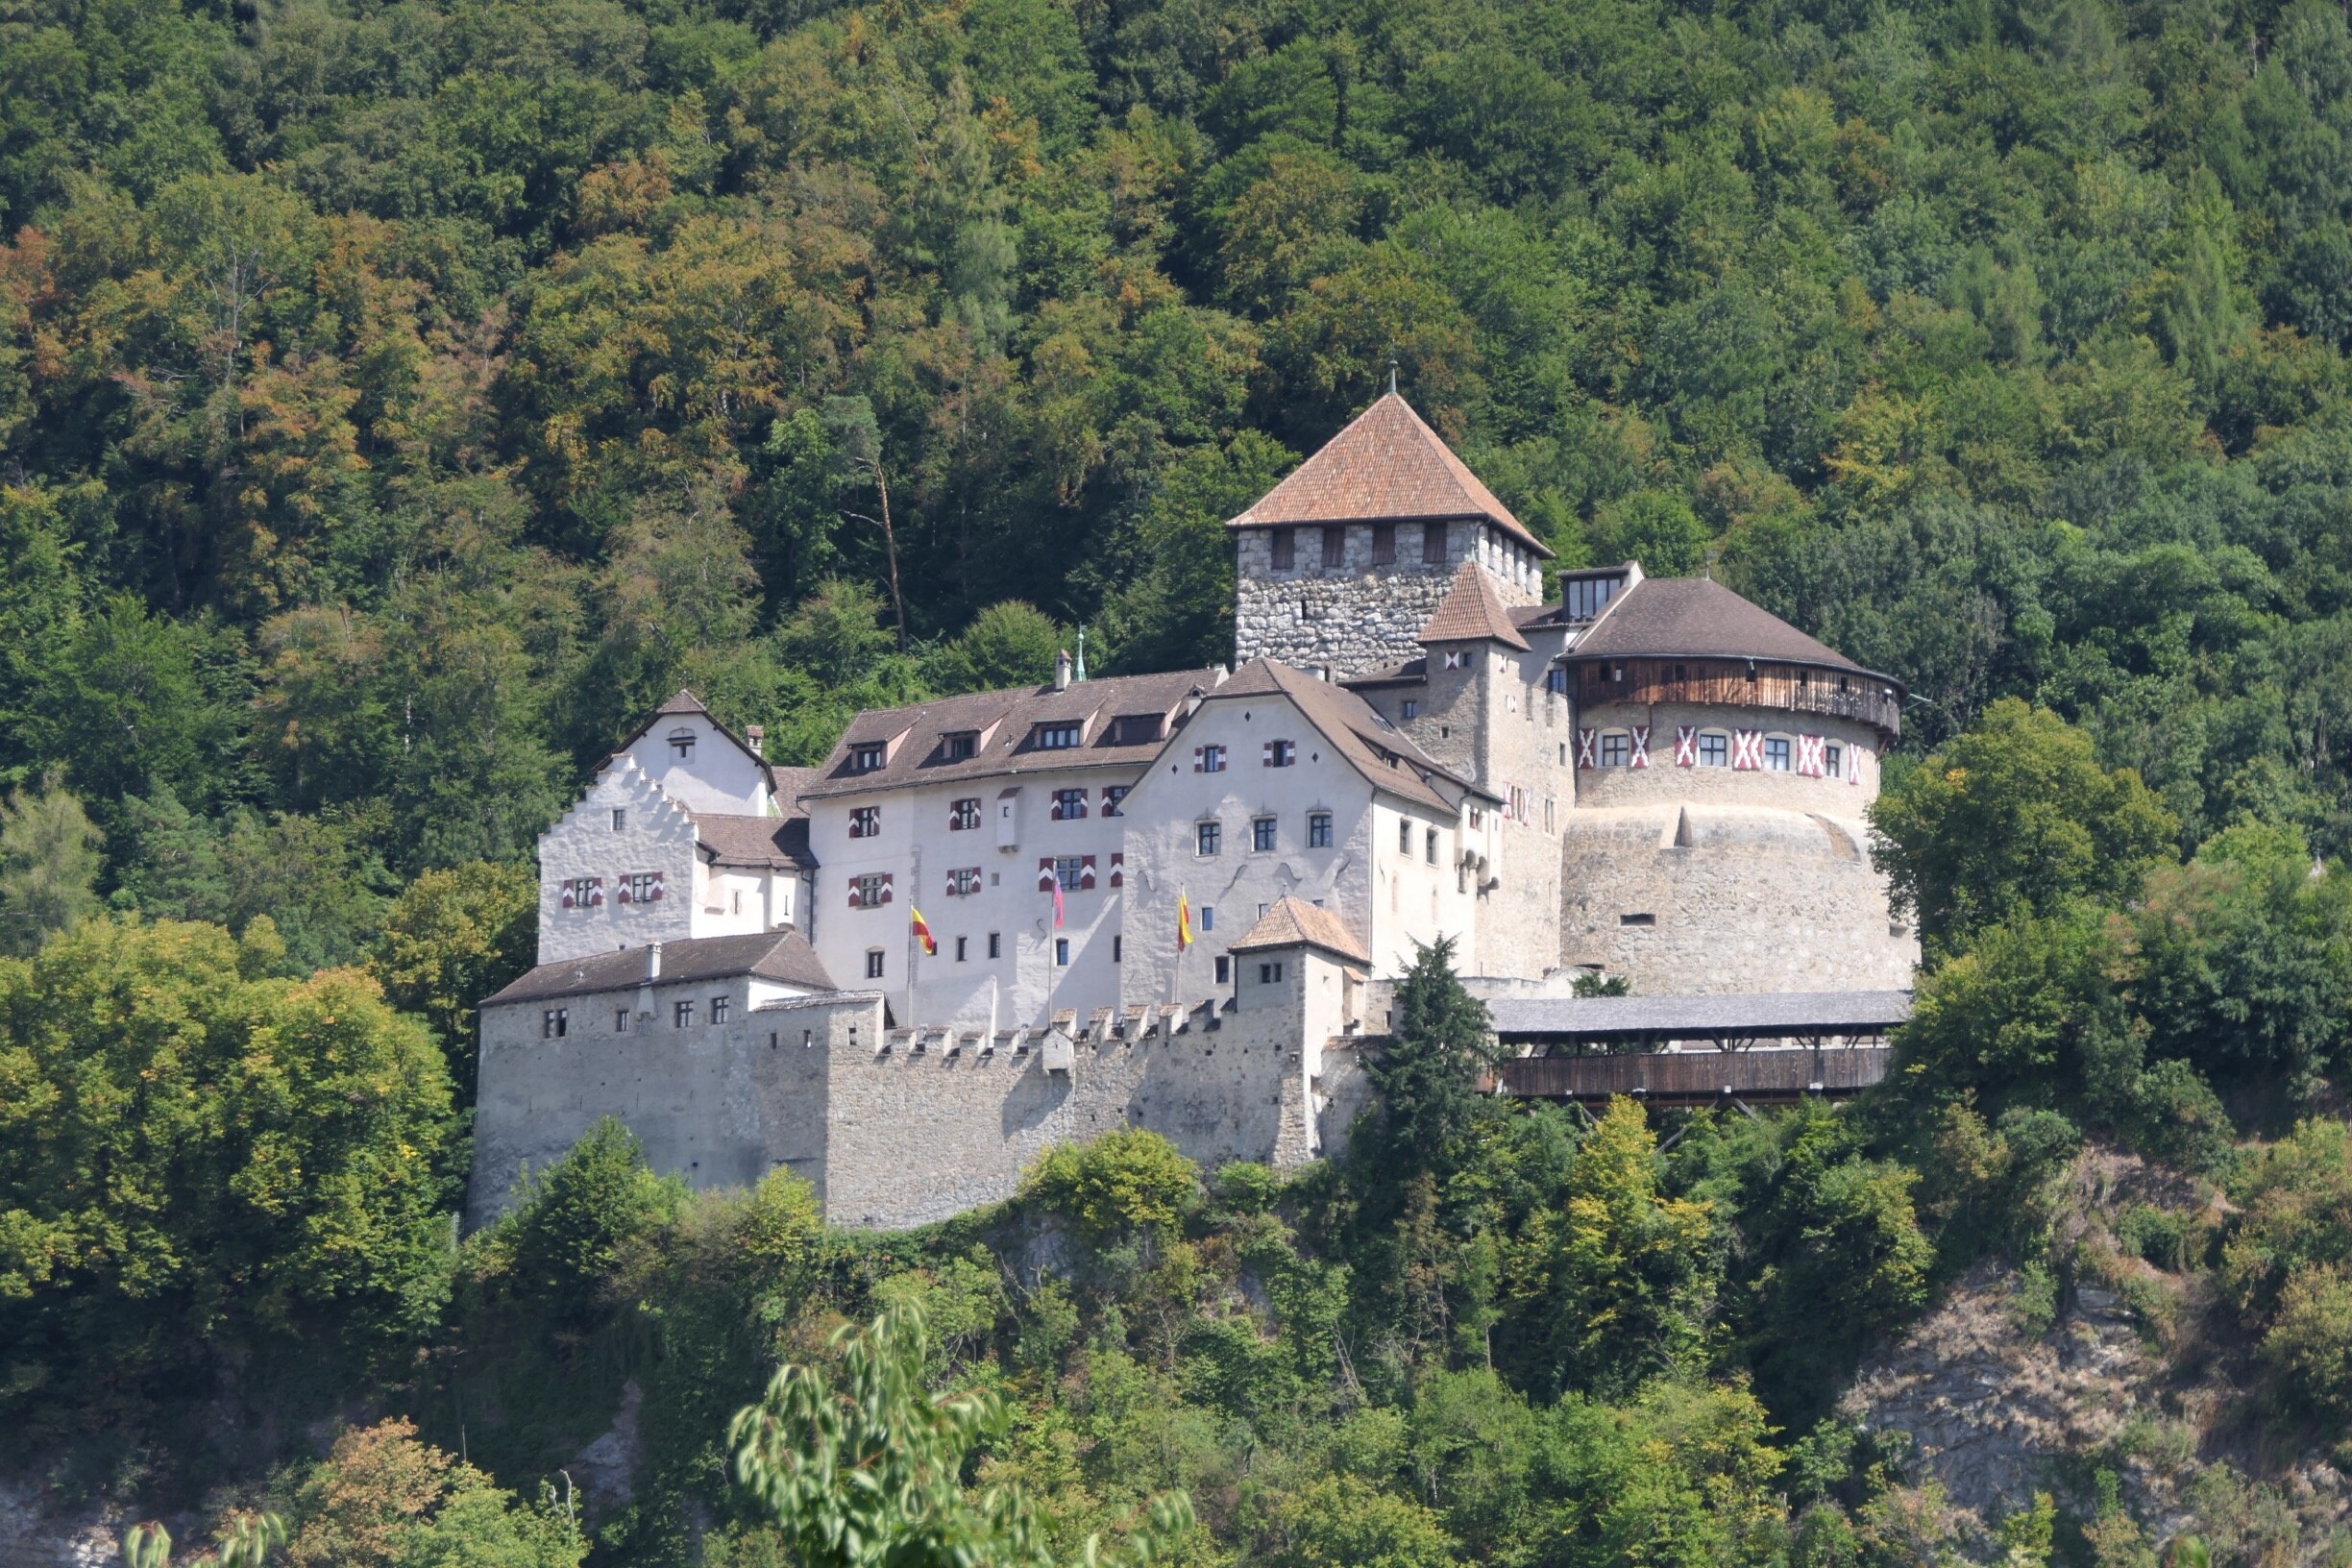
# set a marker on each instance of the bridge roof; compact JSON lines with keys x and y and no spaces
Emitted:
{"x":1750,"y":1014}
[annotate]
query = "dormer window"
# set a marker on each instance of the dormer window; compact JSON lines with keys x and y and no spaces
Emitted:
{"x":1058,"y":737}
{"x":1137,"y":728}
{"x":960,"y":746}
{"x":681,"y":744}
{"x":867,"y":756}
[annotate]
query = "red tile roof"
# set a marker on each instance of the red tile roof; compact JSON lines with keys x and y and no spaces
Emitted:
{"x":1293,"y":922}
{"x":1472,"y":612}
{"x":1386,"y":467}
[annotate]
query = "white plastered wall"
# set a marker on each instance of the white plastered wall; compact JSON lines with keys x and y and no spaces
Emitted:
{"x":713,"y":774}
{"x":655,"y":835}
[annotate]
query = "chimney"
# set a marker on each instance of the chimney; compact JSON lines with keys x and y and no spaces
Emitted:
{"x":1062,"y":670}
{"x":653,"y":961}
{"x":756,"y":739}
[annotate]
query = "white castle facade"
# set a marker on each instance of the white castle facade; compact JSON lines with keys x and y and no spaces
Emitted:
{"x":995,"y":921}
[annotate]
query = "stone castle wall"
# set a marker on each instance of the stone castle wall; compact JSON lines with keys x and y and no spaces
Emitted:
{"x":1359,"y":615}
{"x":1697,"y":898}
{"x":1663,"y":781}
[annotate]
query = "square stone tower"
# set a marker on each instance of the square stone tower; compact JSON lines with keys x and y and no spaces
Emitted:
{"x":1342,"y":565}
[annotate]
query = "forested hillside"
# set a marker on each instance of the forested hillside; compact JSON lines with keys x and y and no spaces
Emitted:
{"x":397,"y":400}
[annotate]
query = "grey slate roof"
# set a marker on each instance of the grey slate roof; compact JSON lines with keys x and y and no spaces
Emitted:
{"x":1006,"y":723}
{"x":1381,"y":754}
{"x":1830,"y":1012}
{"x":782,"y":956}
{"x":1699,"y":618}
{"x":757,"y":841}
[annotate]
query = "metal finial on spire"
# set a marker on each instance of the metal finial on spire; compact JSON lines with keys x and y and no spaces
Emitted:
{"x":1079,"y":674}
{"x":1392,"y":367}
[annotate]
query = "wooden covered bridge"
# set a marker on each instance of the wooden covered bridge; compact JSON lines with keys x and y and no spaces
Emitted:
{"x":1697,"y":1050}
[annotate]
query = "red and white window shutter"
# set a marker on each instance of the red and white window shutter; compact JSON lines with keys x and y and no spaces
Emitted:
{"x":1686,"y":746}
{"x":1747,"y":750}
{"x":1809,"y":755}
{"x":1045,"y":874}
{"x":1853,"y":763}
{"x":1118,"y":869}
{"x":1086,"y":873}
{"x":1587,"y":741}
{"x":1641,"y":746}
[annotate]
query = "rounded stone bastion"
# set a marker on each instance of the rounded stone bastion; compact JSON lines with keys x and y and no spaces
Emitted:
{"x":1720,"y":840}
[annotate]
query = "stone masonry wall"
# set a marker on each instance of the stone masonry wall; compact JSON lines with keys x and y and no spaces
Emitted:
{"x":1357,"y":615}
{"x":1705,"y":899}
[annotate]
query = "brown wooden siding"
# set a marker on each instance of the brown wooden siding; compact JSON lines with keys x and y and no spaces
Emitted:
{"x":1725,"y":682}
{"x":1698,"y":1077}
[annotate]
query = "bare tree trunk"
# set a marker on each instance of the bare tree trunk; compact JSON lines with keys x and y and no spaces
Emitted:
{"x":889,"y":543}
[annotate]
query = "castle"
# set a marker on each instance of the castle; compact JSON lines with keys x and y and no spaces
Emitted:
{"x":991,"y":922}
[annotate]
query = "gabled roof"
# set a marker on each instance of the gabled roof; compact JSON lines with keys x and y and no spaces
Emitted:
{"x":1699,"y":618}
{"x":757,"y":842}
{"x":1387,"y":466}
{"x":1384,"y":755}
{"x":782,"y":956}
{"x":685,"y":704}
{"x":1472,"y":612}
{"x":1008,"y":720}
{"x":1294,"y":923}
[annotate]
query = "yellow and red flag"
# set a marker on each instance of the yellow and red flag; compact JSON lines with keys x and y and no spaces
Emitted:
{"x":923,"y":932}
{"x":1183,"y":922}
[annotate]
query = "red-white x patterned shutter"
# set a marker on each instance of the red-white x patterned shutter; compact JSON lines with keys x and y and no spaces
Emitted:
{"x":1585,"y":742}
{"x":1747,"y":749}
{"x":1853,"y":763}
{"x":1641,"y":746}
{"x":1686,"y":746}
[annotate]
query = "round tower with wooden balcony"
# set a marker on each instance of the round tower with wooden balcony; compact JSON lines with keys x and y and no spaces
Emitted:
{"x":1724,"y":766}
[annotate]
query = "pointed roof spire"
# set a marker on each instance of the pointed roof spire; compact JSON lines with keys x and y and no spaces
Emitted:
{"x":1471,"y":612}
{"x":1392,"y":367}
{"x":1387,"y":466}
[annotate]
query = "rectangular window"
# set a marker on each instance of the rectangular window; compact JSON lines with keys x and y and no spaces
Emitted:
{"x":1261,"y":834}
{"x":1268,"y":973}
{"x":960,"y":746}
{"x":1067,"y":869}
{"x":1137,"y":728}
{"x":1061,"y":952}
{"x":621,"y":1020}
{"x":866,"y":756}
{"x":619,"y":818}
{"x":961,"y":943}
{"x":1114,"y":796}
{"x":1714,"y":749}
{"x":718,"y":1010}
{"x":1434,"y":542}
{"x":681,"y":744}
{"x":1282,"y":753}
{"x":964,"y":816}
{"x":1430,"y":847}
{"x":995,"y":944}
{"x":1834,"y":759}
{"x":1207,"y":917}
{"x":1057,"y":737}
{"x":1224,"y":968}
{"x":1335,"y":547}
{"x":1404,"y":838}
{"x":553,"y":1022}
{"x":865,"y":822}
{"x":1319,"y":830}
{"x":1556,"y":679}
{"x":870,"y":889}
{"x":873,"y":963}
{"x":682,"y":1014}
{"x":1383,"y":543}
{"x":1213,"y":759}
{"x":1777,"y":753}
{"x":641,"y":886}
{"x":964,"y":881}
{"x":1615,"y":746}
{"x":1283,"y":549}
{"x":1068,"y":805}
{"x":1119,"y":946}
{"x":1208,"y":837}
{"x":1412,"y":707}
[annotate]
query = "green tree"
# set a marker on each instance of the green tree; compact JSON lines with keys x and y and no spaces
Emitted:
{"x":1011,"y":644}
{"x":196,"y":1159}
{"x":2014,"y":818}
{"x":381,"y":1499}
{"x":451,"y":939}
{"x":860,"y":1464}
{"x":1129,"y":1179}
{"x":574,"y":1223}
{"x":48,"y":866}
{"x":1427,"y":1075}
